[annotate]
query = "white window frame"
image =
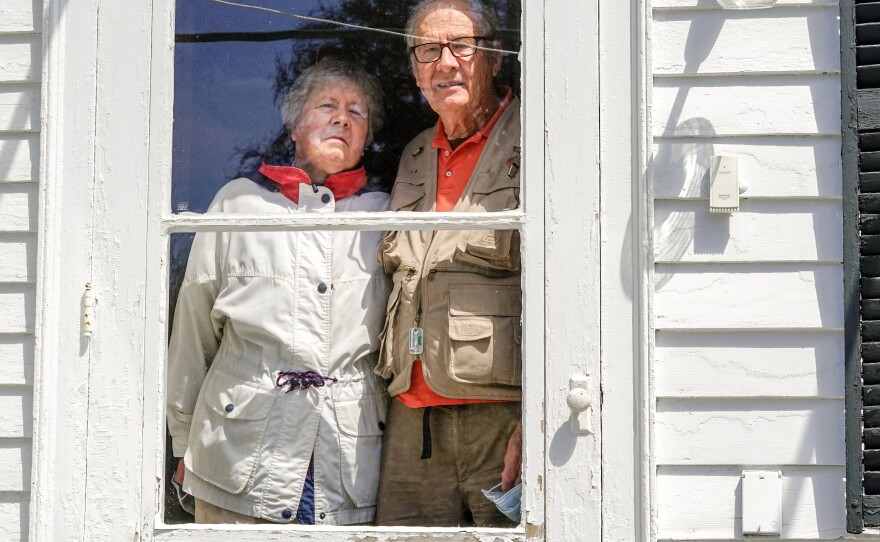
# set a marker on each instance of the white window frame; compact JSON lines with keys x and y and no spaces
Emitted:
{"x":78,"y":379}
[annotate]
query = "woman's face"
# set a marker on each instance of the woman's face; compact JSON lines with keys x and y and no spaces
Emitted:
{"x":332,"y":130}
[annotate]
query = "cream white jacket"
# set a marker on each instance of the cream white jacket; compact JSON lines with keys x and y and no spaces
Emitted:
{"x":256,"y":303}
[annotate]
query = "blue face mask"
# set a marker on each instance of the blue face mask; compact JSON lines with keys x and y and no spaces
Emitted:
{"x":507,"y":503}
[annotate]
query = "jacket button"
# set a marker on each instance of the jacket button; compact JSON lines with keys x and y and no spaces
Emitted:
{"x":322,"y":288}
{"x":230,"y":407}
{"x":287,"y":513}
{"x":381,"y":426}
{"x":323,"y":515}
{"x":325,"y":198}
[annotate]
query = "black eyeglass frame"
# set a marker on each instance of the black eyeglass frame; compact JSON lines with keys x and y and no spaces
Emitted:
{"x":477,"y":39}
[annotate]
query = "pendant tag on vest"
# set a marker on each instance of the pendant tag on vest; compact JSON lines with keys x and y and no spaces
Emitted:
{"x":513,"y":163}
{"x":416,"y":340}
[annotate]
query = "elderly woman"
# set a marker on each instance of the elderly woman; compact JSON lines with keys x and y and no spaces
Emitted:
{"x":272,"y":402}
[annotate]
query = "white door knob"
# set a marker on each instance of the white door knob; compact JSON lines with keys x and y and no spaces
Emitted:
{"x":578,"y":400}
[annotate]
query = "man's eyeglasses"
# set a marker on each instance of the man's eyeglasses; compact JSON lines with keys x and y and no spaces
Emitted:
{"x":461,"y":48}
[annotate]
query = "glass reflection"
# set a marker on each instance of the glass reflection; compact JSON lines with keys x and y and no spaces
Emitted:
{"x":233,"y":67}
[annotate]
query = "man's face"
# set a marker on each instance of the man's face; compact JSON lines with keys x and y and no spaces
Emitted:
{"x":332,"y":129}
{"x":454,"y":87}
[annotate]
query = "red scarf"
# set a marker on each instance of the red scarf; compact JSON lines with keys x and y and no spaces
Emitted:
{"x":289,"y":178}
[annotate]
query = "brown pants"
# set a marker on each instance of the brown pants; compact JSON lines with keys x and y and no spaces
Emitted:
{"x":466,"y":444}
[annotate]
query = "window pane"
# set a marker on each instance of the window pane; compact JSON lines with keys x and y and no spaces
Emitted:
{"x":295,"y":357}
{"x":233,"y":66}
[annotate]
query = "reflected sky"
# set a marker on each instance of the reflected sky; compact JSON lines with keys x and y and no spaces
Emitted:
{"x":223,"y":92}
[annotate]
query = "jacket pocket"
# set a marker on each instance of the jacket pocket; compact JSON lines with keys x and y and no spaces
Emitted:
{"x":227,"y":431}
{"x":360,"y":424}
{"x":485,"y":334}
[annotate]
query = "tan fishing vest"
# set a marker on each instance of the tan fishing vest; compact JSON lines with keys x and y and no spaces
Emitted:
{"x":461,"y":287}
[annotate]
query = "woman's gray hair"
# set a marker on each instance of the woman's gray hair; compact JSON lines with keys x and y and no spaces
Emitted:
{"x":327,"y":71}
{"x":480,"y":14}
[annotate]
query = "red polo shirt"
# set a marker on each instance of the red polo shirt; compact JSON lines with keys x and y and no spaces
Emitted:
{"x":454,"y":169}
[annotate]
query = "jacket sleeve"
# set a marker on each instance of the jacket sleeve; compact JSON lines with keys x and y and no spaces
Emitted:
{"x":195,"y":337}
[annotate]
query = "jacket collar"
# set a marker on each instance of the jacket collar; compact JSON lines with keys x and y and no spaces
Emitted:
{"x":289,"y":179}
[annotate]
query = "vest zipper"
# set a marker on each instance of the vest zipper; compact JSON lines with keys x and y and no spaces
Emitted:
{"x":429,"y":276}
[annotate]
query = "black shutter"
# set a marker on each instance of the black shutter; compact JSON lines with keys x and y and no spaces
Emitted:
{"x":860,"y":84}
{"x":868,"y":133}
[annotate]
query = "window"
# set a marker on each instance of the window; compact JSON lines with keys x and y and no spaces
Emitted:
{"x":235,"y":67}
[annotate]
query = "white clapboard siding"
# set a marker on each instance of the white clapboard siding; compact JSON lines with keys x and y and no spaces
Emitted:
{"x":712,"y":41}
{"x":18,"y":257}
{"x":20,"y":65}
{"x":19,"y":106}
{"x":17,"y":307}
{"x":19,"y":157}
{"x":749,"y":432}
{"x":769,"y":230}
{"x":770,"y":166}
{"x":18,"y":207}
{"x":21,"y":15}
{"x":758,"y":296}
{"x":706,"y":502}
{"x":16,"y":359}
{"x":16,"y":412}
{"x":780,"y":364}
{"x":20,"y":56}
{"x":748,"y":358}
{"x":746,"y":105}
{"x":714,"y":5}
{"x":13,"y":516}
{"x":15,"y":464}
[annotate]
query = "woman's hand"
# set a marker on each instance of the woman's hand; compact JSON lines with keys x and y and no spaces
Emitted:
{"x":178,"y":474}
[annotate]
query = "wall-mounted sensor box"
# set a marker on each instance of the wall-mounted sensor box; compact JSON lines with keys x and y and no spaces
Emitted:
{"x":761,"y":502}
{"x":723,"y":185}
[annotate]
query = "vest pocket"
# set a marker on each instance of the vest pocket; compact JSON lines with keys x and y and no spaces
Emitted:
{"x":489,"y":250}
{"x":485,"y":334}
{"x":227,"y":431}
{"x":385,"y":364}
{"x":406,"y":194}
{"x":360,"y":445}
{"x":495,"y":192}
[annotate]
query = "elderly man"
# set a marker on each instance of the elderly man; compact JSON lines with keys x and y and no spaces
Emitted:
{"x":451,"y":345}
